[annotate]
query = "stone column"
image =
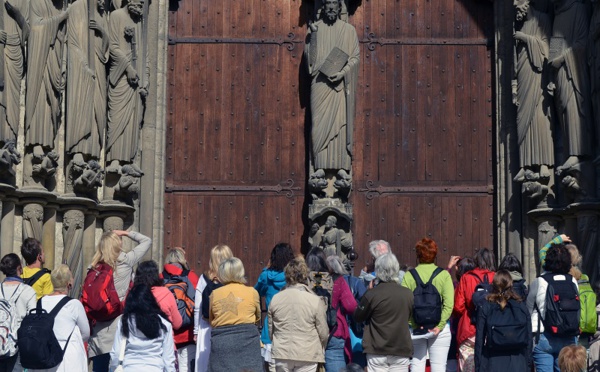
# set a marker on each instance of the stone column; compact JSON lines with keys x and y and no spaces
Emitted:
{"x":587,"y":241}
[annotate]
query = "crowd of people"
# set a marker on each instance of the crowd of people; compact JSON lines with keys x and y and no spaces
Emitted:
{"x":467,"y":316}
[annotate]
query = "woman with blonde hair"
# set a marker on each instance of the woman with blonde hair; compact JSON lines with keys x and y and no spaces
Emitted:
{"x":234,"y":315}
{"x":71,"y":326}
{"x":177,"y":271}
{"x":209,"y":280}
{"x":109,"y":254}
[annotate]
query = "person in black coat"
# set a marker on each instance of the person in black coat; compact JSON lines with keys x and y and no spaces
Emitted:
{"x":503,"y":340}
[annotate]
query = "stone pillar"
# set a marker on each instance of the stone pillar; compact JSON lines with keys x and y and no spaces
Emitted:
{"x":547,"y":228}
{"x":7,"y":226}
{"x":33,"y":221}
{"x":72,"y":229}
{"x":587,"y":242}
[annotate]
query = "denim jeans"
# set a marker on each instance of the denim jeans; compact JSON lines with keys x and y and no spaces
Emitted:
{"x":334,"y":355}
{"x":545,"y":353}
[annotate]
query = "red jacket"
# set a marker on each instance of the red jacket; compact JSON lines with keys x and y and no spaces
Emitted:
{"x":183,"y":336}
{"x":463,"y":304}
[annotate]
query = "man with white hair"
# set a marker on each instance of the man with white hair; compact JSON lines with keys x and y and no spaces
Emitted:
{"x":378,"y":248}
{"x":386,"y":308}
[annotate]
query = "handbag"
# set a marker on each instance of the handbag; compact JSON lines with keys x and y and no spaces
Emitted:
{"x":121,"y":356}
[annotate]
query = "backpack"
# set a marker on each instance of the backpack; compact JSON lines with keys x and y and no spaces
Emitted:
{"x":563,"y":307}
{"x":36,"y":338}
{"x":34,"y":278}
{"x":358,"y":289}
{"x":184,"y":293}
{"x":520,"y":288}
{"x":331,"y":312}
{"x":427,"y":308}
{"x":588,"y":321}
{"x":8,"y":323}
{"x":506,"y":329}
{"x":99,"y":296}
{"x":480,"y":294}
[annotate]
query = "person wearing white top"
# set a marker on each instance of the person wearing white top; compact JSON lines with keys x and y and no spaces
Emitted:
{"x":545,"y":353}
{"x":145,"y":334}
{"x":70,"y":323}
{"x":22,"y":298}
{"x":202,"y":327}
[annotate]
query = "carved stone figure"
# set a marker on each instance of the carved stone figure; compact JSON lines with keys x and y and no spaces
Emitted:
{"x":129,"y":184}
{"x":536,"y":148}
{"x":45,"y":166}
{"x":570,"y":82}
{"x":86,"y":77}
{"x":90,"y":179}
{"x":333,"y":240}
{"x":73,"y":224}
{"x":33,"y":215}
{"x":44,"y":76}
{"x":332,"y":98}
{"x":9,"y":156}
{"x":317,"y":183}
{"x":14,"y":32}
{"x":125,"y":91}
{"x":343,"y":182}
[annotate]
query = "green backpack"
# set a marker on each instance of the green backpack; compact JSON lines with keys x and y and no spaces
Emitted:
{"x":588,"y":322}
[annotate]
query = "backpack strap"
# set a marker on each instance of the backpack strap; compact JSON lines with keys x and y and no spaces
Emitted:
{"x":416,"y":276}
{"x":34,"y":278}
{"x":486,"y":280}
{"x":479,"y":280}
{"x":435,"y":273}
{"x":58,"y":306}
{"x":13,"y":294}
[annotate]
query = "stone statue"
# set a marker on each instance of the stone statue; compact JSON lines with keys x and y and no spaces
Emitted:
{"x":45,"y":166}
{"x":86,"y":89}
{"x":332,"y":96}
{"x":14,"y":32}
{"x":90,"y":179}
{"x":333,"y":240}
{"x":570,"y":81}
{"x":9,"y":156}
{"x":125,"y":93}
{"x":536,"y":148}
{"x":129,"y":184}
{"x":318,"y":11}
{"x":45,"y":81}
{"x":317,"y":183}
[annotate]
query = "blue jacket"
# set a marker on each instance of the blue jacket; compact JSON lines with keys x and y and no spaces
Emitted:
{"x":269,"y":283}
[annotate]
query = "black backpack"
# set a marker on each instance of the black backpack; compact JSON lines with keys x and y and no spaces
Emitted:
{"x":331,"y":311}
{"x":427,"y":308}
{"x":479,"y":298}
{"x":37,"y":342}
{"x":520,"y":288}
{"x":506,"y":329}
{"x":563,"y":307}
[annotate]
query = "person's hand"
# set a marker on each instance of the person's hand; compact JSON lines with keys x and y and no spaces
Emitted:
{"x":336,"y":77}
{"x":132,"y":76}
{"x":518,"y":35}
{"x":121,"y":232}
{"x":436,"y":331}
{"x":557,"y":62}
{"x":452,"y":262}
{"x":195,"y":338}
{"x":565,"y":238}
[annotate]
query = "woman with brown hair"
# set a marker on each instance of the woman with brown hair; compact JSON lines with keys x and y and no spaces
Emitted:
{"x":503,"y":340}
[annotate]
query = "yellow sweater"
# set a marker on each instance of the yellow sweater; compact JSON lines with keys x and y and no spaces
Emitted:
{"x":234,"y":303}
{"x":42,"y":286}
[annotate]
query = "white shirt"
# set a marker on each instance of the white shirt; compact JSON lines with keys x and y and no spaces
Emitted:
{"x":142,"y":353}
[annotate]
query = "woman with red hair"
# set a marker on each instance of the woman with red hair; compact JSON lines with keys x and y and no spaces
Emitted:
{"x":431,"y":329}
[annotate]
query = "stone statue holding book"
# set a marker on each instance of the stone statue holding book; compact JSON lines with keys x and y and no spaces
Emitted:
{"x":332,"y":56}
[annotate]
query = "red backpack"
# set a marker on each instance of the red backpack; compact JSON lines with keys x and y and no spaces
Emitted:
{"x":99,"y":297}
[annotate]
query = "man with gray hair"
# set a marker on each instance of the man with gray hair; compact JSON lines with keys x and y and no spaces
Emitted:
{"x":386,"y":308}
{"x":377,"y":248}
